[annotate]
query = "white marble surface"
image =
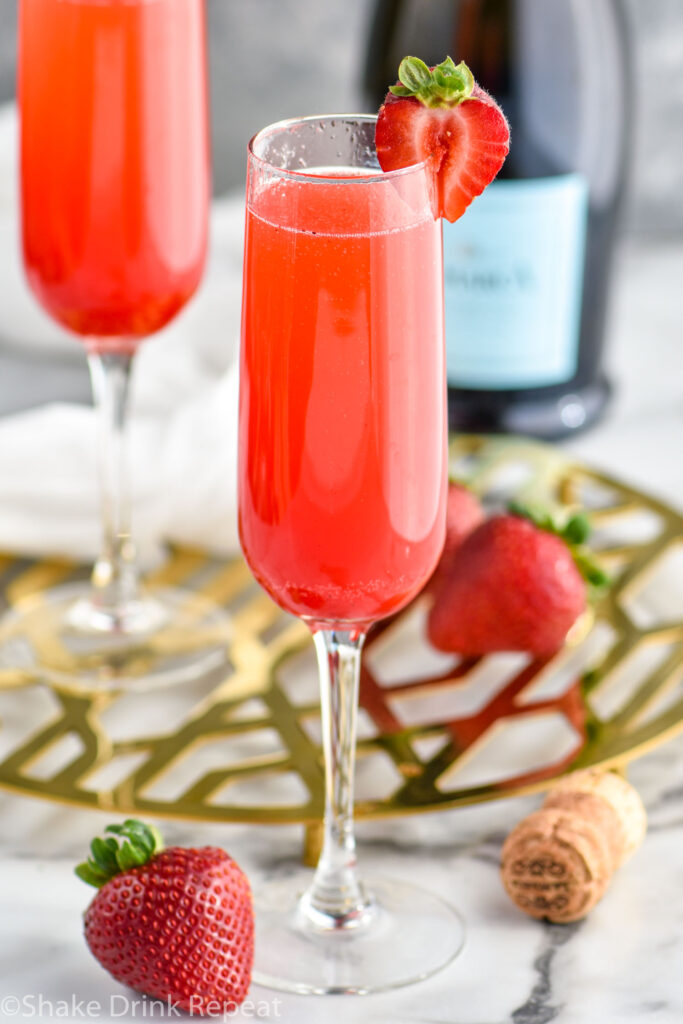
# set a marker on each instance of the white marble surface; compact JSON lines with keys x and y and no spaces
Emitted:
{"x":622,"y":964}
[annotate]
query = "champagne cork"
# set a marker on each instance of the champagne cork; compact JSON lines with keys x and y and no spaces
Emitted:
{"x":558,"y":862}
{"x":618,"y":793}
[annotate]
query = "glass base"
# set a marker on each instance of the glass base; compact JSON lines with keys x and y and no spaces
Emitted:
{"x":166,"y":636}
{"x":408,"y":935}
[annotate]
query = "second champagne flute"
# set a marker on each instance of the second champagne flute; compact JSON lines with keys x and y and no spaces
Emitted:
{"x":115,"y":187}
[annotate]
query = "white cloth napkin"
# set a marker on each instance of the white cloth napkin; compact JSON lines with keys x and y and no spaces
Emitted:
{"x":183,"y":428}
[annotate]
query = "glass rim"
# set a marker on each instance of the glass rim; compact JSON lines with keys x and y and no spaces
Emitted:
{"x":365,"y":179}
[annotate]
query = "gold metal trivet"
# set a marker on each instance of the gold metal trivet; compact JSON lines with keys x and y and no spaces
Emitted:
{"x":244,"y":747}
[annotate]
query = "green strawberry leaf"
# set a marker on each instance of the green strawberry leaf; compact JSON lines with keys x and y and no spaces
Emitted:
{"x":590,"y":570}
{"x":577,"y":530}
{"x":129,"y":855}
{"x":104,"y":855}
{"x":414,"y":74}
{"x":463,"y":76}
{"x":134,"y":845}
{"x":446,"y":86}
{"x":87,"y":873}
{"x":447,"y":65}
{"x":147,"y":836}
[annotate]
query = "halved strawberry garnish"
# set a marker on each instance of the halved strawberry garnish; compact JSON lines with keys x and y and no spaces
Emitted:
{"x":440,"y":114}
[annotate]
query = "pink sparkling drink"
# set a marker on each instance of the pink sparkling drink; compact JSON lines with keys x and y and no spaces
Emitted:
{"x":342,"y":421}
{"x":114,"y":161}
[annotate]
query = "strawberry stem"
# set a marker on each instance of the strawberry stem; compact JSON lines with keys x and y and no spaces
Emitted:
{"x":135,"y":844}
{"x":446,"y":85}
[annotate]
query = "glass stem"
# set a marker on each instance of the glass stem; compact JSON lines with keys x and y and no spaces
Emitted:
{"x":336,"y":899}
{"x":115,"y":575}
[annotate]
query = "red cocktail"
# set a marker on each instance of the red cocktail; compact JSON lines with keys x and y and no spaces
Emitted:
{"x":115,"y":190}
{"x":343,"y":453}
{"x":114,"y":161}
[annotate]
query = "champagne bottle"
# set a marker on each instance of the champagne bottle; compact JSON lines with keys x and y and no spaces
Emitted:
{"x":528,"y":266}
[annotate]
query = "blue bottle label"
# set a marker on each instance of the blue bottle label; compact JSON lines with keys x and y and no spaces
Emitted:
{"x":513,"y":281}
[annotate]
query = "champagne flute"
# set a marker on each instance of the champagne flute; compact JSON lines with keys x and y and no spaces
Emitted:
{"x":115,"y":187}
{"x":342,"y":494}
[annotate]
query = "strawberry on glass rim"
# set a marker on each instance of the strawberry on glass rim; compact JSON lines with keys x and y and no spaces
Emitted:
{"x":442,"y":116}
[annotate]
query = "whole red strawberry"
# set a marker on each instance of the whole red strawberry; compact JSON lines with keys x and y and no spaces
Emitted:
{"x":442,"y":116}
{"x":463,"y":514}
{"x":511,"y":587}
{"x":176,"y":924}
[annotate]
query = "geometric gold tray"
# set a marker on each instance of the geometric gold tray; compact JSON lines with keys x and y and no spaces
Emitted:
{"x":434,"y":731}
